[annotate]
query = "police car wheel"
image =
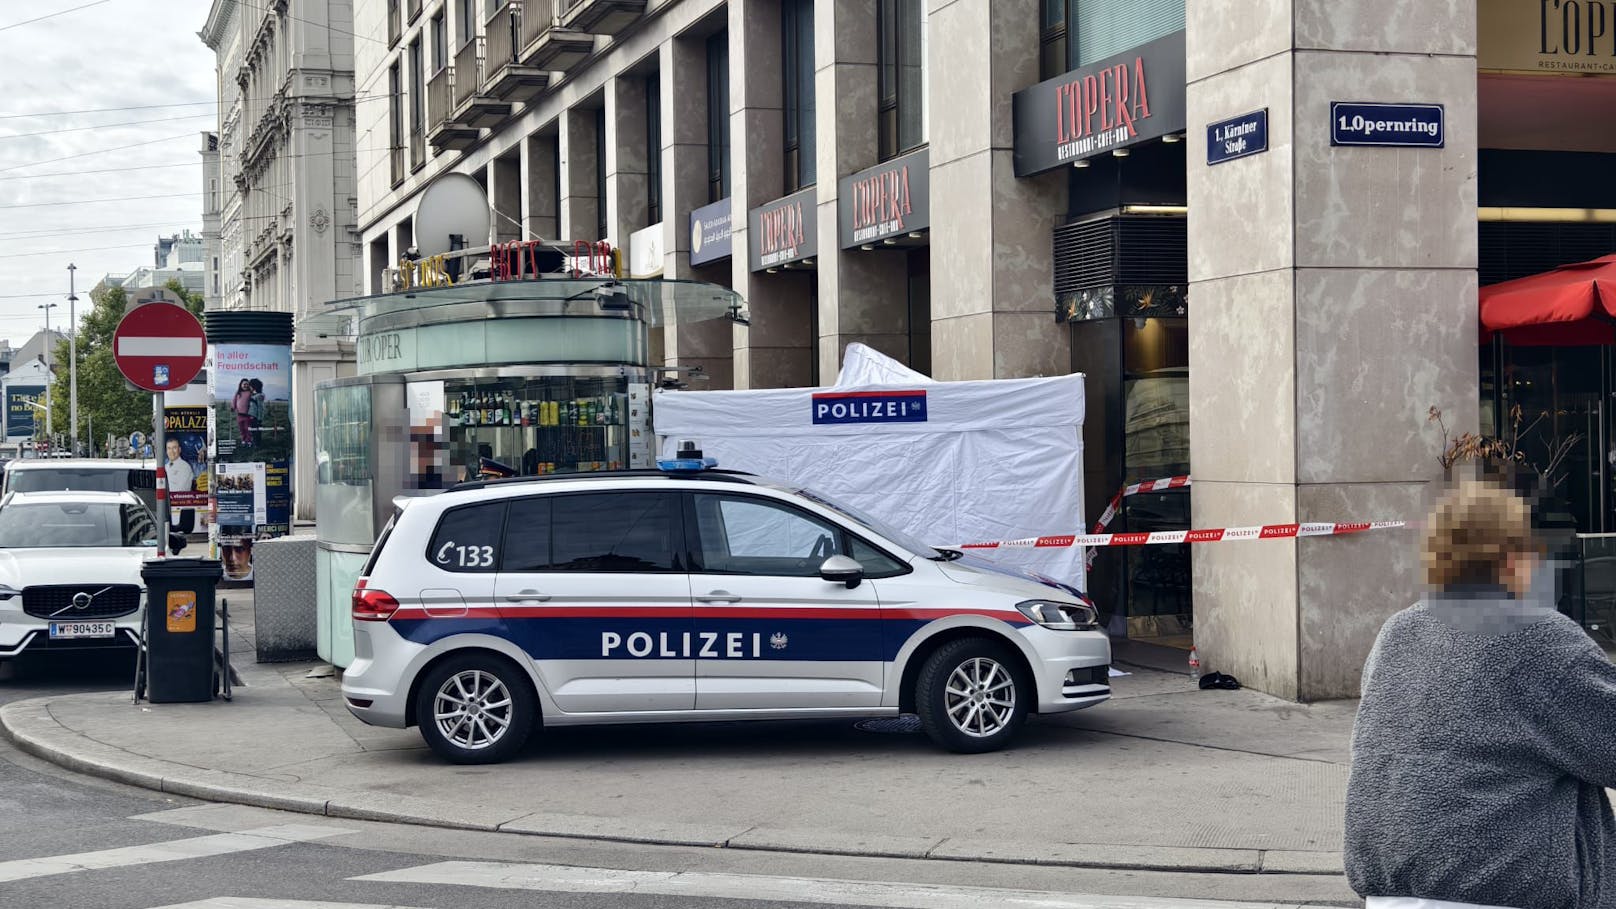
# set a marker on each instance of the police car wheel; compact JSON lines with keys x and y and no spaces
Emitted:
{"x":970,"y":696}
{"x":475,"y":709}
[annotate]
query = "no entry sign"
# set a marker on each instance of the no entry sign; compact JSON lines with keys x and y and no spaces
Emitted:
{"x":159,"y":346}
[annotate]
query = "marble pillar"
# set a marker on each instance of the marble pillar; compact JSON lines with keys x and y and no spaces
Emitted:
{"x":1333,"y":301}
{"x":505,"y":197}
{"x":776,"y":350}
{"x":992,"y":309}
{"x":627,"y":157}
{"x":540,"y":208}
{"x":580,"y":197}
{"x":707,"y":345}
{"x":863,"y":295}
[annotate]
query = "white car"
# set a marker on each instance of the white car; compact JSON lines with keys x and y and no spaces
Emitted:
{"x":655,"y":596}
{"x":70,"y":570}
{"x":82,"y":474}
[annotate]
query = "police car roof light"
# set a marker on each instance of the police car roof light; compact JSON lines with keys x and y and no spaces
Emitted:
{"x":686,"y":465}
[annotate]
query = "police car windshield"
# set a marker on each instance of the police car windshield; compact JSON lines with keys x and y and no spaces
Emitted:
{"x":880,"y":527}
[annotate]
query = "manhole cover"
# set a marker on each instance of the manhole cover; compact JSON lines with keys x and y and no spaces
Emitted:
{"x":899,"y":725}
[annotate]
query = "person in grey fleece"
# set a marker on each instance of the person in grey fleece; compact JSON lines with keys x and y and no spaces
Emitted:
{"x":1487,"y":732}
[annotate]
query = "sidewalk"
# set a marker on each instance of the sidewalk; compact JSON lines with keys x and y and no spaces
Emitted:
{"x":1165,"y":777}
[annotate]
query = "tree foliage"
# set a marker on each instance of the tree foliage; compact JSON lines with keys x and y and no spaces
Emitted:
{"x":107,"y":403}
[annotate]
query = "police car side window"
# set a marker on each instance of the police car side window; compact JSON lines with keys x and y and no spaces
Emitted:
{"x":527,"y":535}
{"x":741,"y":535}
{"x":467,"y":538}
{"x":877,"y":564}
{"x":615,"y":532}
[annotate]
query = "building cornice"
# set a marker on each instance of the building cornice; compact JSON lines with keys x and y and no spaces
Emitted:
{"x":219,"y":18}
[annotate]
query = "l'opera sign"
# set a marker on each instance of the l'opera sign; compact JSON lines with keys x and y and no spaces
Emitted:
{"x":1117,"y":102}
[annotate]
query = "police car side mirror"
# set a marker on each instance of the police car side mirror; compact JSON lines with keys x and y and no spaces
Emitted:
{"x":840,"y":569}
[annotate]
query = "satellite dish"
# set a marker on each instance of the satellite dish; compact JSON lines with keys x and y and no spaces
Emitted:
{"x":452,"y":204}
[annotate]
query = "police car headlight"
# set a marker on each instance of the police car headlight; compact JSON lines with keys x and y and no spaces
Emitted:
{"x":1059,"y":616}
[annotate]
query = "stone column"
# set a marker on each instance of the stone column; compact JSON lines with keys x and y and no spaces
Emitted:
{"x":626,"y":160}
{"x":776,"y":350}
{"x":862,"y":295}
{"x":1333,"y":302}
{"x":682,"y":104}
{"x":580,"y":212}
{"x":539,"y":203}
{"x":992,"y":253}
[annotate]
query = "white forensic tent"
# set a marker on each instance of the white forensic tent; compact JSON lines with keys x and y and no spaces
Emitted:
{"x":949,"y":462}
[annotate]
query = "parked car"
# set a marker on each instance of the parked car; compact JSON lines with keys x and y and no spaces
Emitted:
{"x":70,"y":570}
{"x":654,"y":596}
{"x":87,"y":474}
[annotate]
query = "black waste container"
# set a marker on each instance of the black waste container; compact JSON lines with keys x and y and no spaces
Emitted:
{"x":179,"y":629}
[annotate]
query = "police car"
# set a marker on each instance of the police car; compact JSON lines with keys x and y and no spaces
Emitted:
{"x":694,"y":594}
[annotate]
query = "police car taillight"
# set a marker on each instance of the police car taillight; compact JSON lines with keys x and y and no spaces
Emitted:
{"x":372,"y":605}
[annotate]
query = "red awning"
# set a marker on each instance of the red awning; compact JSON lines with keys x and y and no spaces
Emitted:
{"x":1573,"y":305}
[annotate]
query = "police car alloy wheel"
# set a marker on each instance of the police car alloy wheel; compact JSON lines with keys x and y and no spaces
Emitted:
{"x":475,"y":710}
{"x":971,"y":696}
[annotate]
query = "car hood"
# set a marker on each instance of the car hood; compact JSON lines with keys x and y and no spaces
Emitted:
{"x":27,"y":567}
{"x":975,"y":570}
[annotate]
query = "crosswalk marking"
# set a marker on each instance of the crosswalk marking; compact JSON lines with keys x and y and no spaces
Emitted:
{"x":173,"y":850}
{"x":248,"y":902}
{"x":256,"y":903}
{"x":761,"y":888}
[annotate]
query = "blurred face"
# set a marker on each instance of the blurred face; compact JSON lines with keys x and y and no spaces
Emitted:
{"x":243,"y":386}
{"x":1518,"y":568}
{"x":173,"y":449}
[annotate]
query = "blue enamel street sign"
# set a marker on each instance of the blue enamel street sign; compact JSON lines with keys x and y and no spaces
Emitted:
{"x":1373,"y":123}
{"x":1237,"y":137}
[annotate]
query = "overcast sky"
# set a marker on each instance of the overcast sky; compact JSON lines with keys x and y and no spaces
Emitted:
{"x":111,"y":54}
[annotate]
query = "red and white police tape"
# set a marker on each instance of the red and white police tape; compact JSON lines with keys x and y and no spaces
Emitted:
{"x":1211,"y":535}
{"x":1147,"y":486}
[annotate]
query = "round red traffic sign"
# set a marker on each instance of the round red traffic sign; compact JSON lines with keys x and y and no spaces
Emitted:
{"x":159,"y":346}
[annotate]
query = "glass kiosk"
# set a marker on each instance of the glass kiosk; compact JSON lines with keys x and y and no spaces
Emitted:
{"x":483,"y":379}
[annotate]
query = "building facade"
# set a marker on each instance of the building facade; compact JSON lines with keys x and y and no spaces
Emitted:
{"x":285,"y":172}
{"x":1032,"y":187}
{"x":212,"y":196}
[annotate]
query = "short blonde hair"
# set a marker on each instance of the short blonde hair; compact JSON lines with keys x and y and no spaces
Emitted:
{"x":1472,"y":530}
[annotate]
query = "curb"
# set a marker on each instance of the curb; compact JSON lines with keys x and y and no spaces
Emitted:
{"x":31,"y":727}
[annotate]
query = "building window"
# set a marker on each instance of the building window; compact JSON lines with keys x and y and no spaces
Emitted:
{"x":440,"y":42}
{"x":394,"y":23}
{"x":653,"y":146}
{"x":417,"y":105}
{"x":797,"y":53}
{"x":718,"y":116}
{"x":600,"y":173}
{"x":465,"y":20}
{"x":395,"y":121}
{"x":1052,"y":39}
{"x":1076,"y":33}
{"x":901,"y":28}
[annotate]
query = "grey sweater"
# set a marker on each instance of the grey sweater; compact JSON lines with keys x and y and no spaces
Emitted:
{"x":1483,"y":745}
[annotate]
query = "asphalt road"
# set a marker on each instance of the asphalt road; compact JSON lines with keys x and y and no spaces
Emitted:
{"x":74,"y":841}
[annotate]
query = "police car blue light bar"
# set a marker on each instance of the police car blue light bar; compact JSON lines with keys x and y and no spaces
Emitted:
{"x":689,"y":459}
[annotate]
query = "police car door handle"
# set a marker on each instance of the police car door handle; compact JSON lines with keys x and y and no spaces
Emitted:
{"x":719,"y":596}
{"x":527,"y":596}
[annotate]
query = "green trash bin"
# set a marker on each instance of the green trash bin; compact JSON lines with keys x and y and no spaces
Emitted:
{"x":179,"y":629}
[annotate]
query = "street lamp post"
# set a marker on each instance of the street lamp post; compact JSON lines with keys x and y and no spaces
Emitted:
{"x":72,"y":359}
{"x":50,"y":429}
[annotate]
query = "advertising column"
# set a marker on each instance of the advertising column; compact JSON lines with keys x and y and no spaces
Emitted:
{"x":250,"y":433}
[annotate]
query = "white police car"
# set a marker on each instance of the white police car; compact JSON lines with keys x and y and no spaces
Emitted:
{"x":695,"y":595}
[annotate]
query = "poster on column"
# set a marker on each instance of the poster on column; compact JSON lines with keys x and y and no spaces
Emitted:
{"x":185,"y":459}
{"x":240,"y":497}
{"x":250,"y":423}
